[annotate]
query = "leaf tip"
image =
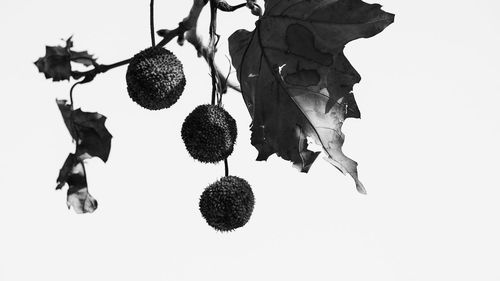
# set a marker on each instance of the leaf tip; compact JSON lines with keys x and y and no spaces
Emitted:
{"x":360,"y":188}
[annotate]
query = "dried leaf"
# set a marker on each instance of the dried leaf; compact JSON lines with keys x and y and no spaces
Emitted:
{"x":81,"y":201}
{"x":56,"y":63}
{"x":66,"y":170}
{"x":78,"y":197}
{"x":295,"y":79}
{"x":82,"y":57}
{"x":66,"y":112}
{"x":88,"y":130}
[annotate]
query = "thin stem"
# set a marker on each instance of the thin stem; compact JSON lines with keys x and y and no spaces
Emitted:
{"x":152,"y":22}
{"x":212,"y":47}
{"x":77,"y":136}
{"x":71,"y":93}
{"x":204,"y":52}
{"x":225,"y":7}
{"x":169,"y":35}
{"x":90,"y":74}
{"x":101,"y":68}
{"x":116,"y":64}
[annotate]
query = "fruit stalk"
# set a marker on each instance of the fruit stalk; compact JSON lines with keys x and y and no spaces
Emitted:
{"x":216,"y":79}
{"x":101,"y":68}
{"x":152,"y":22}
{"x":77,"y":136}
{"x":71,"y":93}
{"x":212,"y":45}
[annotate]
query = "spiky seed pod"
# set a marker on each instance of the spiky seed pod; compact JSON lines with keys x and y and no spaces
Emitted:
{"x":209,"y":133}
{"x":227,"y":204}
{"x":155,"y":78}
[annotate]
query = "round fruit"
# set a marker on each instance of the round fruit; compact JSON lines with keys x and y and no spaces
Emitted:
{"x":155,"y":78}
{"x":209,"y":133}
{"x":227,"y":204}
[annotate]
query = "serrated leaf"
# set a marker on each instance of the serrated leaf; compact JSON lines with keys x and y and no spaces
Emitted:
{"x":82,"y":57}
{"x":295,"y":79}
{"x":56,"y":63}
{"x":88,"y":130}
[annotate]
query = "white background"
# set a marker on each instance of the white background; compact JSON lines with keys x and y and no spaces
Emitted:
{"x":427,"y":148}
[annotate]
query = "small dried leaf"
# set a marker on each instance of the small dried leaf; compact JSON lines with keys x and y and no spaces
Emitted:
{"x":78,"y":195}
{"x":66,"y":169}
{"x":66,"y":112}
{"x":73,"y":174}
{"x":56,"y":63}
{"x":81,"y":201}
{"x":88,"y":130}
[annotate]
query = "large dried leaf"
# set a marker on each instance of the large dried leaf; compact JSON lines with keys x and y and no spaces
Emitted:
{"x":295,"y":79}
{"x":73,"y":174}
{"x":88,"y":130}
{"x":92,"y":139}
{"x":56,"y":63}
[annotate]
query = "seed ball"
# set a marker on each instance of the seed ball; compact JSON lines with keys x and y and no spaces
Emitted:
{"x":227,"y":204}
{"x":155,"y":78}
{"x":209,"y":133}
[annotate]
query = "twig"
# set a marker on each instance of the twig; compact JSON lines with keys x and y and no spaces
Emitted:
{"x":187,"y":29}
{"x":212,"y":45}
{"x":98,"y":68}
{"x":72,"y":116}
{"x":71,"y":93}
{"x":188,"y":26}
{"x":168,"y":35}
{"x":225,"y":7}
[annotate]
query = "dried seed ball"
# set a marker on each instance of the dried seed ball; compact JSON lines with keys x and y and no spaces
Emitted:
{"x":155,"y":78}
{"x":227,"y":204}
{"x":209,"y":133}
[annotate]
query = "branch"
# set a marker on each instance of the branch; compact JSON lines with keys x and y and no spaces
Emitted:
{"x":98,"y":68}
{"x":185,"y":31}
{"x":212,"y":48}
{"x":203,"y":51}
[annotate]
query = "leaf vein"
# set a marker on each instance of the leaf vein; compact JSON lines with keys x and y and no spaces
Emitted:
{"x":284,"y":88}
